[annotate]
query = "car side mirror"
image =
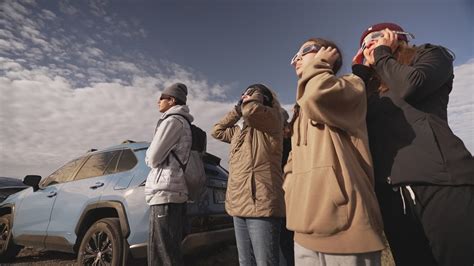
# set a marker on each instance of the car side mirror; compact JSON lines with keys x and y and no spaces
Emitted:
{"x":32,"y":181}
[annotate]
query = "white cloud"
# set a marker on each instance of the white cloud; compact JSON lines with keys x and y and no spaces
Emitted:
{"x":66,"y":7}
{"x":46,"y":14}
{"x":37,"y":35}
{"x":46,"y":121}
{"x":461,"y":104}
{"x":16,"y":9}
{"x":121,"y":66}
{"x":98,"y":7}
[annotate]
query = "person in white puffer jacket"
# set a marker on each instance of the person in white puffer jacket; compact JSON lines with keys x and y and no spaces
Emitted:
{"x":165,"y":187}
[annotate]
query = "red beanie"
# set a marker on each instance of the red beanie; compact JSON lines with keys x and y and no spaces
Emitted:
{"x":382,"y":26}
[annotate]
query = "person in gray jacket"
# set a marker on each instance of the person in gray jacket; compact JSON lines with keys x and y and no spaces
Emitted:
{"x":165,"y":188}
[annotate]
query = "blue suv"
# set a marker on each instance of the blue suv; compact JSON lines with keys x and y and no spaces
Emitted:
{"x":95,"y":206}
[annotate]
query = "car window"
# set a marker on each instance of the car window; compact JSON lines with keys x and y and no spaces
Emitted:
{"x":111,"y":168}
{"x":122,"y":163}
{"x":96,"y":165}
{"x":63,"y":174}
{"x":127,"y":161}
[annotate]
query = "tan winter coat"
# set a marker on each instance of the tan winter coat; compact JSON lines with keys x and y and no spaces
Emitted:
{"x":255,"y":181}
{"x":329,"y":182}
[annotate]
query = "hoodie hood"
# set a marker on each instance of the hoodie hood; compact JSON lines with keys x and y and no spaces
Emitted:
{"x":179,"y":110}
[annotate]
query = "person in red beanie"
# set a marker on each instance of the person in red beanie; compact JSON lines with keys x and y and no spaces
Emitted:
{"x":424,"y":173}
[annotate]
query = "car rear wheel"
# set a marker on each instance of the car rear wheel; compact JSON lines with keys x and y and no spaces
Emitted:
{"x":102,"y":244}
{"x":8,"y":249}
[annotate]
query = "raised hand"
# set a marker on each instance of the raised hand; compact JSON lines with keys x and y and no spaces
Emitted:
{"x":327,"y":54}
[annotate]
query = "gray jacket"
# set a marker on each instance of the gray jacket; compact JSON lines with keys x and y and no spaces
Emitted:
{"x":165,"y":182}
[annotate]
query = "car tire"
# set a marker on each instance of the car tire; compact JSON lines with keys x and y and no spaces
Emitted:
{"x":8,"y":249}
{"x":102,"y":244}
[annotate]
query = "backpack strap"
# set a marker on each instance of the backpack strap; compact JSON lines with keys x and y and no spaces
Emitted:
{"x":183,"y":166}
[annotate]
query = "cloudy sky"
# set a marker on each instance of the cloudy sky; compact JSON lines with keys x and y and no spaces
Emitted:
{"x":76,"y":75}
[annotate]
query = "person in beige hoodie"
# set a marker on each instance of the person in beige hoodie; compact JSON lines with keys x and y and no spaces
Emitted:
{"x":329,"y":182}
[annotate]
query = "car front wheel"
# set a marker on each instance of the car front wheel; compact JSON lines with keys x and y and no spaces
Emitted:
{"x":8,"y":249}
{"x":102,"y":244}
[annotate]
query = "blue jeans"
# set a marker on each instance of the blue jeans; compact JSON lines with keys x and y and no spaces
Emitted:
{"x":257,"y":240}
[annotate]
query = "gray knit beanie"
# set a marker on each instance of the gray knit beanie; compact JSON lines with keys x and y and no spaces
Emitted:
{"x":178,"y":91}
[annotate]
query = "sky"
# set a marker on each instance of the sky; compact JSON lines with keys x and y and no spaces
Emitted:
{"x":76,"y":75}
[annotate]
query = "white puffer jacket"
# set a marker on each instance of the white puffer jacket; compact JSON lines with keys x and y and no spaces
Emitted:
{"x":165,"y":182}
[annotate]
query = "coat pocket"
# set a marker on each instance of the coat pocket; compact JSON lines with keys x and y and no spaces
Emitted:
{"x":315,"y":203}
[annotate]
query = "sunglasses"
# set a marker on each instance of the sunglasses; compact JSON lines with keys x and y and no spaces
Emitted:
{"x":306,"y":50}
{"x":379,"y":34}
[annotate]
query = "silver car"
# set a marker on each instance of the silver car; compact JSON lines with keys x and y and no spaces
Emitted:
{"x":95,"y":206}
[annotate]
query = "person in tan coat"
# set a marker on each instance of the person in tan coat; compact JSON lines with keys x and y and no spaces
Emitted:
{"x":329,"y":182}
{"x":254,"y":194}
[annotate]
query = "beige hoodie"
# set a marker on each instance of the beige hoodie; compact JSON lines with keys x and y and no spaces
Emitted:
{"x":329,"y":194}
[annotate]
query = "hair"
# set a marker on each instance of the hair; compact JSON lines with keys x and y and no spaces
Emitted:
{"x":276,"y":104}
{"x":404,"y":55}
{"x":275,"y":101}
{"x":267,"y":94}
{"x":335,"y":68}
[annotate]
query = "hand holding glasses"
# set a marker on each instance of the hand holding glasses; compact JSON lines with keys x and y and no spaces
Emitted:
{"x":245,"y":95}
{"x":376,"y":35}
{"x":328,"y":55}
{"x":306,"y":50}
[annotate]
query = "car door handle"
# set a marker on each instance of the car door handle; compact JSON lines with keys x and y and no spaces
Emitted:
{"x":97,"y":185}
{"x":52,"y":194}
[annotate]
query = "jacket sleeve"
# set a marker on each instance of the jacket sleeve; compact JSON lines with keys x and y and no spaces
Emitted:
{"x":261,"y":117}
{"x":432,"y":68}
{"x":335,"y":101}
{"x":225,"y":129}
{"x":166,"y":137}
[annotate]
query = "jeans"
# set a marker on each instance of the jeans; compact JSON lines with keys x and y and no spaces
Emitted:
{"x":257,"y":240}
{"x":166,"y":234}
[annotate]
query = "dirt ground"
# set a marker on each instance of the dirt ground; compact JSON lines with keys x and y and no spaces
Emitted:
{"x":225,"y":255}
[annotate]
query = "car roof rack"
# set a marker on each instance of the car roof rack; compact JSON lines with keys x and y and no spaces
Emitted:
{"x":128,"y":141}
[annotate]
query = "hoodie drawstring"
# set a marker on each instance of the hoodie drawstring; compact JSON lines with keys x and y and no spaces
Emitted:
{"x":302,"y":137}
{"x":412,"y":196}
{"x":403,"y":201}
